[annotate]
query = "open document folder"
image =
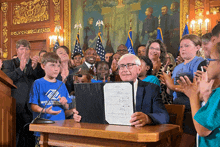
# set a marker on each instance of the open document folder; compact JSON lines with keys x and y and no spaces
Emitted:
{"x":105,"y":103}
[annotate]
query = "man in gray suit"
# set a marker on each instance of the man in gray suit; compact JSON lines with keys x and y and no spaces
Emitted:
{"x":90,"y":59}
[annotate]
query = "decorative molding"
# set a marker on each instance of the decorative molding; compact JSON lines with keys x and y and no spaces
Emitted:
{"x":199,"y":4}
{"x":214,"y":9}
{"x":67,"y":23}
{"x":184,"y":11}
{"x":4,"y":9}
{"x":57,"y":12}
{"x":32,"y":31}
{"x":31,"y":11}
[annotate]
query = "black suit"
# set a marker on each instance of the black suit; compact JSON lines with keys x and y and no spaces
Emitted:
{"x":23,"y":80}
{"x":149,"y":102}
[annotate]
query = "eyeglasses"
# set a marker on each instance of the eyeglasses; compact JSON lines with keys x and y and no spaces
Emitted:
{"x":128,"y":66}
{"x":156,"y":49}
{"x":208,"y":60}
{"x":77,"y":58}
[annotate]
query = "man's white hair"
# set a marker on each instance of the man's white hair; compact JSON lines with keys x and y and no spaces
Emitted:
{"x":131,"y":56}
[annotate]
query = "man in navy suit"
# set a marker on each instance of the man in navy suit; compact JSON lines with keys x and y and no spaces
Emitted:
{"x":149,"y":105}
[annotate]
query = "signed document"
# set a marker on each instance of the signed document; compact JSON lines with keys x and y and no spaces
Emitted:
{"x":118,"y":102}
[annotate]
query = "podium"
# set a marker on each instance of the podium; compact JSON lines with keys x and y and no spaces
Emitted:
{"x":7,"y":112}
{"x":69,"y":133}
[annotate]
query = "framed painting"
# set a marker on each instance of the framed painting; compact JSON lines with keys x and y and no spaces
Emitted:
{"x":118,"y":16}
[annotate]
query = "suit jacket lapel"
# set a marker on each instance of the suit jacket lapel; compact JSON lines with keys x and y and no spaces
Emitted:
{"x":139,"y":96}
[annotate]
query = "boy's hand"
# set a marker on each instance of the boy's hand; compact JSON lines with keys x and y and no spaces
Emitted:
{"x":63,"y":100}
{"x":76,"y":115}
{"x":50,"y":111}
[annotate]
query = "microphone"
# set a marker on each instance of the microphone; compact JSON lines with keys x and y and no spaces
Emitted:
{"x":39,"y":120}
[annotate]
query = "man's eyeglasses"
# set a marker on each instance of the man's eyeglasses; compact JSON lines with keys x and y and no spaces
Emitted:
{"x":128,"y":66}
{"x":208,"y":60}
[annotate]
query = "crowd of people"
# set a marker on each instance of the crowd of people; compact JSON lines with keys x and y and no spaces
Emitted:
{"x":158,"y":79}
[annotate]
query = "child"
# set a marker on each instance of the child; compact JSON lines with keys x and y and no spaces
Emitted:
{"x":44,"y":88}
{"x":81,"y":76}
{"x":102,"y":72}
{"x":146,"y":71}
{"x":205,"y":119}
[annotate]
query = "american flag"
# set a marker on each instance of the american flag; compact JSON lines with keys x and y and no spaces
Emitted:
{"x":56,"y":45}
{"x":99,"y":48}
{"x":77,"y":48}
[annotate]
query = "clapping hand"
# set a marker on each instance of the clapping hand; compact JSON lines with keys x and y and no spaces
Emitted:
{"x":63,"y":100}
{"x":23,"y":62}
{"x":114,"y":65}
{"x":35,"y":60}
{"x":205,"y":87}
{"x":50,"y":111}
{"x":187,"y":87}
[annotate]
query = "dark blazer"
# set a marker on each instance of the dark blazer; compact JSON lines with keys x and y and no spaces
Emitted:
{"x":83,"y":67}
{"x":149,"y":102}
{"x":23,"y":81}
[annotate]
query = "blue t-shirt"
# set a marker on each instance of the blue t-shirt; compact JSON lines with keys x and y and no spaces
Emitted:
{"x":152,"y":79}
{"x":185,"y":69}
{"x":41,"y":92}
{"x":208,"y":116}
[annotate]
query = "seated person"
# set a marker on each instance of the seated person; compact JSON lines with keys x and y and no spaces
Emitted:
{"x":43,"y":89}
{"x":81,"y":76}
{"x":102,"y":72}
{"x":146,"y":71}
{"x":148,"y":104}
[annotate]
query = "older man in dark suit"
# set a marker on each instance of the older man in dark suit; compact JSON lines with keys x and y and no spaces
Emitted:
{"x":149,"y":105}
{"x":22,"y":70}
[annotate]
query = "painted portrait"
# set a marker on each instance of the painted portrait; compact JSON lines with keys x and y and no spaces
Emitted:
{"x":143,"y":17}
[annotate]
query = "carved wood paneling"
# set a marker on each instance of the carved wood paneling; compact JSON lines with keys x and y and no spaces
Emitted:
{"x":33,"y":20}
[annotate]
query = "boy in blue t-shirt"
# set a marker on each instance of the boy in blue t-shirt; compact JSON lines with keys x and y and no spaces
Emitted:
{"x":44,"y":88}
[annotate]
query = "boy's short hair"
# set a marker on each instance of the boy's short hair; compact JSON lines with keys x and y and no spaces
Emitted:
{"x":64,"y":47}
{"x":23,"y":42}
{"x":50,"y":57}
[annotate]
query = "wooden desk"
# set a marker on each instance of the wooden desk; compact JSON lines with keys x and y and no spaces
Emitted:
{"x":70,"y":133}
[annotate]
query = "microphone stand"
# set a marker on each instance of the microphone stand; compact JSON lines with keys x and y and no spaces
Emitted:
{"x":39,"y":120}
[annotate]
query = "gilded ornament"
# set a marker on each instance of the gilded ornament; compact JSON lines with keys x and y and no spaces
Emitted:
{"x":4,"y":7}
{"x":31,"y":11}
{"x":32,"y":31}
{"x":56,"y":2}
{"x":214,"y":9}
{"x":184,"y":11}
{"x":198,"y":4}
{"x":5,"y":55}
{"x":66,"y":27}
